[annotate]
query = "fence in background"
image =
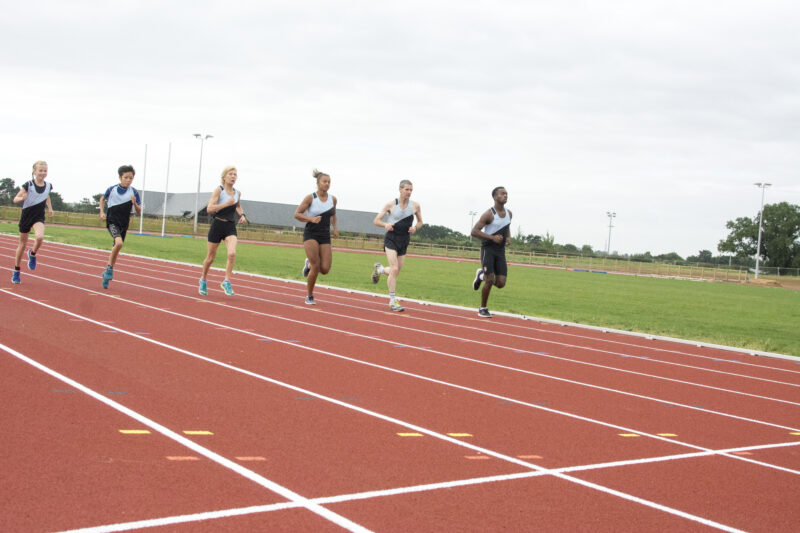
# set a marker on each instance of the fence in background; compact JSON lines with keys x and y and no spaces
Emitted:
{"x":180,"y":225}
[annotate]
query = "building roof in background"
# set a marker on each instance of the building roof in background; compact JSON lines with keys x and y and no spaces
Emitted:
{"x":267,"y":213}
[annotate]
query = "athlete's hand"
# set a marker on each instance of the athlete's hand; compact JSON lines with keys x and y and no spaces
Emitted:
{"x":316,"y":220}
{"x":389,"y":227}
{"x":103,"y":216}
{"x":497,"y":238}
{"x":335,"y":233}
{"x":412,"y":230}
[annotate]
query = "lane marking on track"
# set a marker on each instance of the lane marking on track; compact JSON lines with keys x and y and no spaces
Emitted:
{"x":530,"y":457}
{"x":460,"y":434}
{"x":477,"y":457}
{"x":409,"y":434}
{"x":227,"y":513}
{"x":324,"y":512}
{"x":223,"y":461}
{"x":489,"y":344}
{"x":667,"y":434}
{"x":400,"y":372}
{"x":197,"y":432}
{"x":182,"y":458}
{"x":629,"y":435}
{"x":134,"y":431}
{"x":253,"y":458}
{"x":795,"y":433}
{"x":699,"y":408}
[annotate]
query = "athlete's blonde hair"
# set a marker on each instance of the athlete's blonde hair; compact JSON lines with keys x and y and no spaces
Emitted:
{"x":225,"y":171}
{"x":33,"y":168}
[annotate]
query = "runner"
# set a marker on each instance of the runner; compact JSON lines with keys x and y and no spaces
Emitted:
{"x":493,"y":227}
{"x":318,"y":211}
{"x":399,"y":224}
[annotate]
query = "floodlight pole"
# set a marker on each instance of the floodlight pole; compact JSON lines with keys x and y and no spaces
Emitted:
{"x":199,"y":173}
{"x":472,"y":224}
{"x":763,"y":187}
{"x":610,"y":216}
{"x":144,"y":184}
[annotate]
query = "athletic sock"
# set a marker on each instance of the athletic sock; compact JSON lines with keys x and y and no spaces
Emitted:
{"x":33,"y":254}
{"x":16,"y":268}
{"x":391,"y":296}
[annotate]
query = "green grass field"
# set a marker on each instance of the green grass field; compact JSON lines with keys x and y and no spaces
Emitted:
{"x":754,"y":317}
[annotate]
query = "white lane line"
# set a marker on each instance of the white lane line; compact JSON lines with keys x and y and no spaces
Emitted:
{"x":343,"y":522}
{"x":205,"y":452}
{"x":524,"y":337}
{"x":503,"y":347}
{"x":454,"y":356}
{"x":428,"y":487}
{"x":259,"y":277}
{"x":393,"y":370}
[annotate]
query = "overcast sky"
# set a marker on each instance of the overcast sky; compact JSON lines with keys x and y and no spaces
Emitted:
{"x":665,"y":112}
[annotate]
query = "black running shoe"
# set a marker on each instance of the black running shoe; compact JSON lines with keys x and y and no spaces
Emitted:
{"x":476,"y":283}
{"x":483,"y":312}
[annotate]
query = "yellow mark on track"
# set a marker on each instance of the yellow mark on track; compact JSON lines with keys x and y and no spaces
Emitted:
{"x":742,"y":453}
{"x":182,"y":458}
{"x":529,"y":457}
{"x":460,"y":434}
{"x":197,"y":432}
{"x":795,"y":433}
{"x":629,"y":435}
{"x":666,"y":434}
{"x":409,"y":434}
{"x":257,"y":458}
{"x":477,"y":457}
{"x":135,"y":431}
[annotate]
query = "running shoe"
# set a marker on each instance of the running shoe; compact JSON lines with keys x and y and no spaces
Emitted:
{"x":395,"y":306}
{"x":306,"y":269}
{"x":376,"y":275}
{"x":226,"y":286}
{"x":483,"y":312}
{"x":310,"y":300}
{"x":476,"y":283}
{"x":108,"y":275}
{"x":31,"y":261}
{"x":203,"y":289}
{"x":15,"y":277}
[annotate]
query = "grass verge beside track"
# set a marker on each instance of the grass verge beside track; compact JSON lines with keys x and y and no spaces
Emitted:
{"x":753,"y":317}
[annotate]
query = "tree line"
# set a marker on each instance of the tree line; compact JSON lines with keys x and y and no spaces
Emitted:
{"x":780,"y":239}
{"x":87,"y":205}
{"x":780,"y":242}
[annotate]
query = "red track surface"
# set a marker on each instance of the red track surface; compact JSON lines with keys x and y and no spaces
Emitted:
{"x":346,"y":416}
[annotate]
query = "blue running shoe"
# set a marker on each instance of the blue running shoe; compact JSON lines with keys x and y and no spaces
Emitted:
{"x":203,"y":289}
{"x":31,"y":261}
{"x":15,"y":277}
{"x":108,"y":275}
{"x":226,"y":286}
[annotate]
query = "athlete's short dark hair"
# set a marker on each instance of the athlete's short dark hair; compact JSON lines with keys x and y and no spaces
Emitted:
{"x":125,"y":168}
{"x":494,"y":191}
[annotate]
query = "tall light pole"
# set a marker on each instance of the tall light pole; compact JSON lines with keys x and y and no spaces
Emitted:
{"x":199,"y":173}
{"x":472,"y":223}
{"x":611,"y":216}
{"x":763,"y":187}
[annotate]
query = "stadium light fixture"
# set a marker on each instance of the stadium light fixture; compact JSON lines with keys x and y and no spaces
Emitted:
{"x":763,"y":187}
{"x":199,"y":173}
{"x":610,"y":216}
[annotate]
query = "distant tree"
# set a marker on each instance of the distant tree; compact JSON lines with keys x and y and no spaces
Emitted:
{"x":57,"y":202}
{"x":646,"y":257}
{"x":587,"y":250}
{"x":570,"y":248}
{"x":87,"y":205}
{"x":672,"y":256}
{"x":703,"y":256}
{"x":780,"y":238}
{"x":547,"y":242}
{"x":7,"y":191}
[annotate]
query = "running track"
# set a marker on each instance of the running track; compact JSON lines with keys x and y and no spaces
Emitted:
{"x":147,"y":406}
